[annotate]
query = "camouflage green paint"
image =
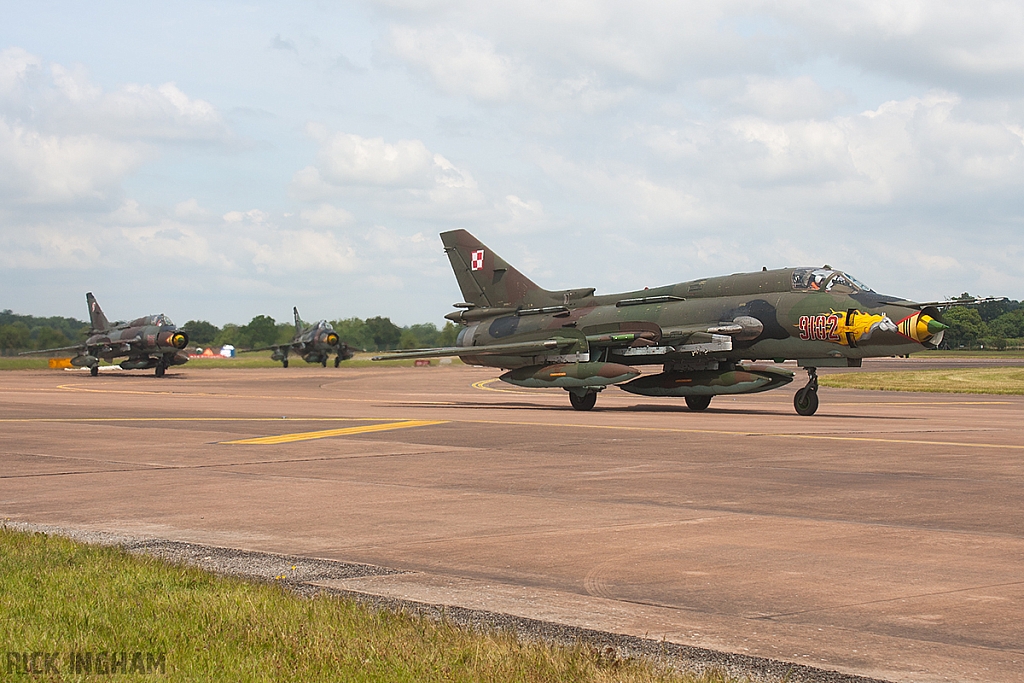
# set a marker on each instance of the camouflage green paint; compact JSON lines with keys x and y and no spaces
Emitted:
{"x":313,"y":343}
{"x":149,"y":342}
{"x":699,"y":330}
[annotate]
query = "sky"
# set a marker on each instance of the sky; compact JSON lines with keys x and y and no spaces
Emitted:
{"x":221,"y":160}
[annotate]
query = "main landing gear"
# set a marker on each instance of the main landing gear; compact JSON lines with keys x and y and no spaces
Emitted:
{"x":284,"y":362}
{"x":806,"y":400}
{"x":585,"y":400}
{"x":698,"y":403}
{"x":94,"y":370}
{"x":160,"y":369}
{"x":337,"y":361}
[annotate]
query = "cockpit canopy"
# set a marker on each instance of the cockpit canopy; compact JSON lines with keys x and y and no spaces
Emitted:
{"x":826,"y":280}
{"x":160,"y":320}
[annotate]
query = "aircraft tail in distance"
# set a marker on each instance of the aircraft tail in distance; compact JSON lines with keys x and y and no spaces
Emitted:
{"x":97,"y":319}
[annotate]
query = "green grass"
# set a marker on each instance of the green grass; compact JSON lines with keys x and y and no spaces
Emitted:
{"x":60,"y":596}
{"x":986,"y":353}
{"x":1007,"y":380}
{"x":23,"y":363}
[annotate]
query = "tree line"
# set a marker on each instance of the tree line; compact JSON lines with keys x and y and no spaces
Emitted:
{"x":992,"y":325}
{"x":372,"y":334}
{"x":28,"y":333}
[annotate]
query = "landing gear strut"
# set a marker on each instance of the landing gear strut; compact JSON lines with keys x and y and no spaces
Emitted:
{"x":337,"y":360}
{"x":806,"y":400}
{"x":584,"y":401}
{"x":160,"y":369}
{"x":94,"y":370}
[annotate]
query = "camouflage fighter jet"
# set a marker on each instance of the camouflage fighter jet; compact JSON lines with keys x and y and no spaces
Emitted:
{"x":149,"y":342}
{"x":314,"y":343}
{"x":707,"y":335}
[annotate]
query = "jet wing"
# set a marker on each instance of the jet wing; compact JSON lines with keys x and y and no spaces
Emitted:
{"x":264,"y":348}
{"x":972,"y":301}
{"x":77,"y":347}
{"x":514,"y":349}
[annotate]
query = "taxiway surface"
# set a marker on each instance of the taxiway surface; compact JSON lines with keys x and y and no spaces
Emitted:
{"x":883,"y":536}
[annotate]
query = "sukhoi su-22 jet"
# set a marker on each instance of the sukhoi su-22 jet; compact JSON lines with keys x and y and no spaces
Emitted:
{"x":149,"y":342}
{"x":313,"y":343}
{"x":708,"y":335}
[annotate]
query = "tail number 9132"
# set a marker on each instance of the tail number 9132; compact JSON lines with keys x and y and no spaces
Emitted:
{"x":820,"y":327}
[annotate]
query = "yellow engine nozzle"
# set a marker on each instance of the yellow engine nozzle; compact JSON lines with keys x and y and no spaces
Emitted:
{"x":927,"y":327}
{"x":922,"y":328}
{"x":331,"y":339}
{"x":178,"y":340}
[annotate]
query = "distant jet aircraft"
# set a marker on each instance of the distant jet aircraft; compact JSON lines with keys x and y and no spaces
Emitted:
{"x":704,"y":333}
{"x":149,"y":342}
{"x":314,"y":343}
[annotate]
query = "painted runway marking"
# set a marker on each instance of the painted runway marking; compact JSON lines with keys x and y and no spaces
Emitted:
{"x":196,"y":419}
{"x":327,"y":433}
{"x":482,"y":385}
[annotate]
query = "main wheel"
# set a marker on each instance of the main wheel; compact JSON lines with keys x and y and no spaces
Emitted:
{"x":337,"y":361}
{"x":806,"y":401}
{"x":160,"y":369}
{"x":698,"y":402}
{"x":284,"y":363}
{"x":94,"y":370}
{"x":585,"y":402}
{"x":324,"y":362}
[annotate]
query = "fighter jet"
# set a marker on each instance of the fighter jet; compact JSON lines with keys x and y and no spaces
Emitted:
{"x":709,"y":335}
{"x":314,"y":343}
{"x":149,"y":342}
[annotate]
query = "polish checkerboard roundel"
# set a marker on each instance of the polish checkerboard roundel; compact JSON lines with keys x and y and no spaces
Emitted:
{"x":477,"y":262}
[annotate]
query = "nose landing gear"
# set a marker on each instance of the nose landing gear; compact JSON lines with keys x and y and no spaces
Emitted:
{"x":806,"y":399}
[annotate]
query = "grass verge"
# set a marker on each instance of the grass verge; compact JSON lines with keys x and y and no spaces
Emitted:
{"x":59,"y":596}
{"x":949,"y":381}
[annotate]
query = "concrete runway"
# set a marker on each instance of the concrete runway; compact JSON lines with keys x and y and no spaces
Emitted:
{"x":882,"y":537}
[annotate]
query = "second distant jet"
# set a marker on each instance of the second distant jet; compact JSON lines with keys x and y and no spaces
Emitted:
{"x":313,"y":343}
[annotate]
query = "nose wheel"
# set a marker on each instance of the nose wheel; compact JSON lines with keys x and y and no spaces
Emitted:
{"x":806,"y":399}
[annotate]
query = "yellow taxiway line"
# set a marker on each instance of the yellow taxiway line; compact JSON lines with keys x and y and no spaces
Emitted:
{"x":326,"y":433}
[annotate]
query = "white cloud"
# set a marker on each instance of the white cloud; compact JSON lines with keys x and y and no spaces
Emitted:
{"x":326,"y":216}
{"x":15,"y":66}
{"x":64,"y":139}
{"x":39,"y":168}
{"x":291,"y":251}
{"x":346,"y":159}
{"x":403,"y":176}
{"x":460,"y":63}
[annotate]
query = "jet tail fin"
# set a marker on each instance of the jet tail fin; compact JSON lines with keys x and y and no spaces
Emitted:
{"x":298,"y":320}
{"x":97,"y":319}
{"x":486,"y":279}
